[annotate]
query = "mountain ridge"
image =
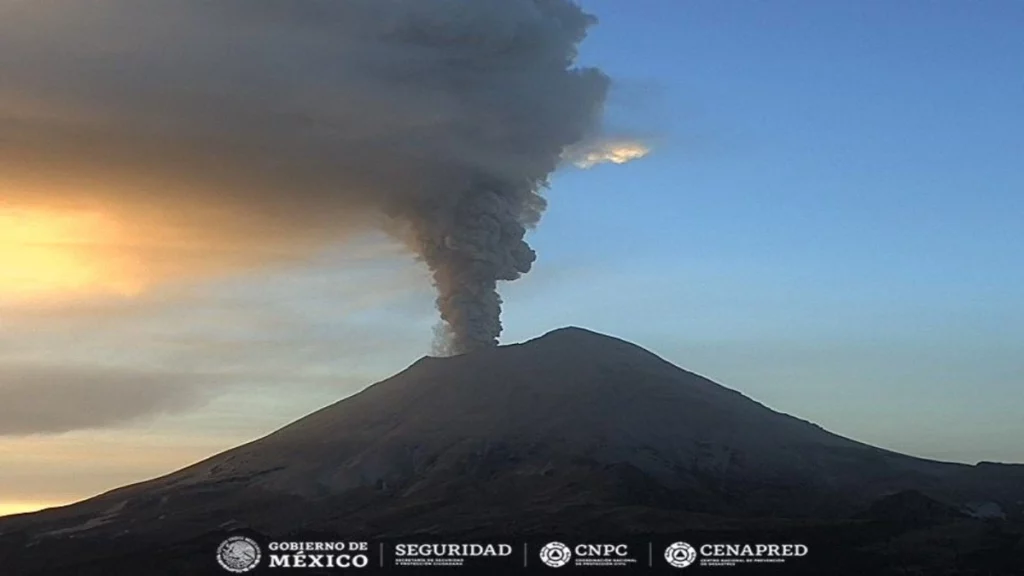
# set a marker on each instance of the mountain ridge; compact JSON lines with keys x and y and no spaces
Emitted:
{"x":405,"y":401}
{"x":574,"y":429}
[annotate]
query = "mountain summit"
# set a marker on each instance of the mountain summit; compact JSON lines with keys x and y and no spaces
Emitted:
{"x":573,"y":431}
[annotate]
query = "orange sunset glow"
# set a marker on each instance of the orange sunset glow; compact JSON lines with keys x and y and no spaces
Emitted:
{"x":8,"y":508}
{"x":48,"y":253}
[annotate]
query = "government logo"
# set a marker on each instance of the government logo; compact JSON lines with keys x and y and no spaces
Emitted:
{"x":238,"y":554}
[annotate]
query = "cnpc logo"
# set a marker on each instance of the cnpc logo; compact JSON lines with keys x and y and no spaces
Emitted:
{"x":601,"y":550}
{"x":557,"y":554}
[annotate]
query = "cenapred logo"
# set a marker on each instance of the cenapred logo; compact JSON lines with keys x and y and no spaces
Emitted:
{"x":680,"y":554}
{"x":238,"y":554}
{"x":555,"y":554}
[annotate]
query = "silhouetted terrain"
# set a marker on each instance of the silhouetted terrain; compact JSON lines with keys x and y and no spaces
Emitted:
{"x":573,"y":434}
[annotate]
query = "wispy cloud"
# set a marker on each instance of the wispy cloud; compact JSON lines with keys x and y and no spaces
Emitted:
{"x":110,"y":362}
{"x":606,"y":151}
{"x":38,"y":399}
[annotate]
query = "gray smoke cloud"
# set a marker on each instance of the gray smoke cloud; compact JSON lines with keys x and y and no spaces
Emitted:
{"x":439,"y":120}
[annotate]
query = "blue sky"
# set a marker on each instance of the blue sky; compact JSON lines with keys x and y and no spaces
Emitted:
{"x":830,"y":222}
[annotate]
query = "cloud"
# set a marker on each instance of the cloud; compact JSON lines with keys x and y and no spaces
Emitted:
{"x":58,"y":469}
{"x":591,"y":153}
{"x":37,"y":399}
{"x":206,"y":137}
{"x":300,"y":338}
{"x":367,"y":273}
{"x":144,"y":143}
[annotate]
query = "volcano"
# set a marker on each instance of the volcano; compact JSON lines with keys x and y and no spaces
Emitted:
{"x":573,"y":433}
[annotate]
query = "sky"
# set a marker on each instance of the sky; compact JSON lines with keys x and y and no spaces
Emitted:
{"x":828,"y":222}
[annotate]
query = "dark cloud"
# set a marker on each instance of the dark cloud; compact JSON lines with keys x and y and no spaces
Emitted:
{"x":42,"y":399}
{"x":265,"y":127}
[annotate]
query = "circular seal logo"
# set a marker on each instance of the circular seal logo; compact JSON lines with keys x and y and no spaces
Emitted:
{"x":238,"y":554}
{"x":680,"y":554}
{"x":555,"y":554}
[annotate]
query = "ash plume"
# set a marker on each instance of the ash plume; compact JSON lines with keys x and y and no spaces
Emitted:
{"x":277,"y":120}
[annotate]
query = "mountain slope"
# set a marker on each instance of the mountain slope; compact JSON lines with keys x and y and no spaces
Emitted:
{"x":571,"y":431}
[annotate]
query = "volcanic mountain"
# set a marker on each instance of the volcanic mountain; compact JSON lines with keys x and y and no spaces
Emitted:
{"x":572,"y":433}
